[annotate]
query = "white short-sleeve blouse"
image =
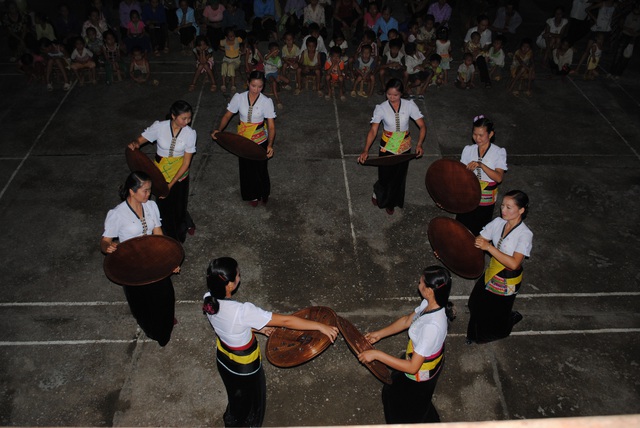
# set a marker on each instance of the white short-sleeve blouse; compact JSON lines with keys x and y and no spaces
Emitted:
{"x":122,"y":223}
{"x":494,"y":158}
{"x":262,"y":109}
{"x":160,"y":132}
{"x":234,"y":321}
{"x":519,"y":240}
{"x":386,"y":115}
{"x":428,"y":331}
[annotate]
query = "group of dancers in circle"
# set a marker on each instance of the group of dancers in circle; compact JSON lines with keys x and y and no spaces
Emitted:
{"x":408,"y":399}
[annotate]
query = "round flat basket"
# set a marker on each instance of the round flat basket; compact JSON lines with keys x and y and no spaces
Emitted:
{"x":139,"y":161}
{"x":358,"y":343}
{"x":143,"y":260}
{"x":454,"y":245}
{"x":389,"y":160}
{"x":452,"y":186}
{"x":290,"y":348}
{"x":241,"y":146}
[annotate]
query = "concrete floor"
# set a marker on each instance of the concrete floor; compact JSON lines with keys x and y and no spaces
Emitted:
{"x":71,"y":354}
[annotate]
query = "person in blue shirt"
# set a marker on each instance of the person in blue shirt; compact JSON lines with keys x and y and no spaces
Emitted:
{"x":187,"y":26}
{"x":385,"y":23}
{"x":265,"y":19}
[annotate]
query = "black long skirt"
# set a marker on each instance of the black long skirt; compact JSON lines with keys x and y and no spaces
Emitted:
{"x":153,"y":307}
{"x":173,"y":210}
{"x":390,"y":187}
{"x":247,"y":397}
{"x":477,"y":219}
{"x":490,"y":316}
{"x":254,"y":179}
{"x":409,"y":402}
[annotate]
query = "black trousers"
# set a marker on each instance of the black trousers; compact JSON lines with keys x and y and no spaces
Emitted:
{"x":173,"y":210}
{"x":391,"y":184}
{"x":408,"y":402}
{"x":153,"y":307}
{"x":254,"y":179}
{"x":247,"y":396}
{"x":489,"y":314}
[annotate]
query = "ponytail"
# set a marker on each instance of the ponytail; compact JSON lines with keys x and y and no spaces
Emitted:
{"x":220,"y":273}
{"x":438,"y":278}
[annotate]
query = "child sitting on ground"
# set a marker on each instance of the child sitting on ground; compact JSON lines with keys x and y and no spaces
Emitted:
{"x":32,"y":66}
{"x":94,"y":44}
{"x":334,"y":69}
{"x":231,"y":61}
{"x":309,"y":64}
{"x":495,"y":58}
{"x":82,"y":59}
{"x":393,"y":34}
{"x":290,"y":54}
{"x":415,"y":75}
{"x":592,"y":54}
{"x":339,"y":41}
{"x":522,"y":67}
{"x":273,"y":71}
{"x":393,"y":64}
{"x":136,"y":35}
{"x":443,"y":48}
{"x":139,"y":69}
{"x":426,"y":39}
{"x":113,"y":57}
{"x":314,"y":31}
{"x":56,"y":56}
{"x":364,"y":71}
{"x":473,"y":46}
{"x":368,"y":39}
{"x":204,"y":62}
{"x":561,"y":58}
{"x":436,"y":73}
{"x":253,"y":61}
{"x":371,"y":16}
{"x":466,"y":73}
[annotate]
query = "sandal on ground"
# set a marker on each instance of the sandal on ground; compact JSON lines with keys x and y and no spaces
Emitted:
{"x":192,"y":88}
{"x":223,"y":88}
{"x":343,"y":98}
{"x":353,"y":94}
{"x":214,"y":88}
{"x":279,"y":106}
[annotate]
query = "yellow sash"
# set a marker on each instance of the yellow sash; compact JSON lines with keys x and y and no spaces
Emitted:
{"x":488,"y":192}
{"x":253,"y":131}
{"x":500,"y":280}
{"x":396,"y":142}
{"x":428,"y":369}
{"x":170,"y":167}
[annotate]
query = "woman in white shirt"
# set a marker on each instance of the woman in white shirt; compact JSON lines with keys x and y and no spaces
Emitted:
{"x":152,"y":305}
{"x":176,"y":144}
{"x":257,"y":123}
{"x":489,"y":163}
{"x":394,"y":114}
{"x":508,"y":240}
{"x":408,"y":399}
{"x":238,"y":354}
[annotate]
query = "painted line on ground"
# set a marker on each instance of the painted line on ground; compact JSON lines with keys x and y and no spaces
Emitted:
{"x":535,"y":296}
{"x":616,"y":82}
{"x":407,"y":298}
{"x":127,"y":341}
{"x":346,"y":181}
{"x":35,"y":142}
{"x":498,"y":383}
{"x":605,"y":119}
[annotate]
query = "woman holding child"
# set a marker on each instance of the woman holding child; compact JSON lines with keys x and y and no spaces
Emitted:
{"x":394,"y":114}
{"x":176,"y":144}
{"x":255,"y":109}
